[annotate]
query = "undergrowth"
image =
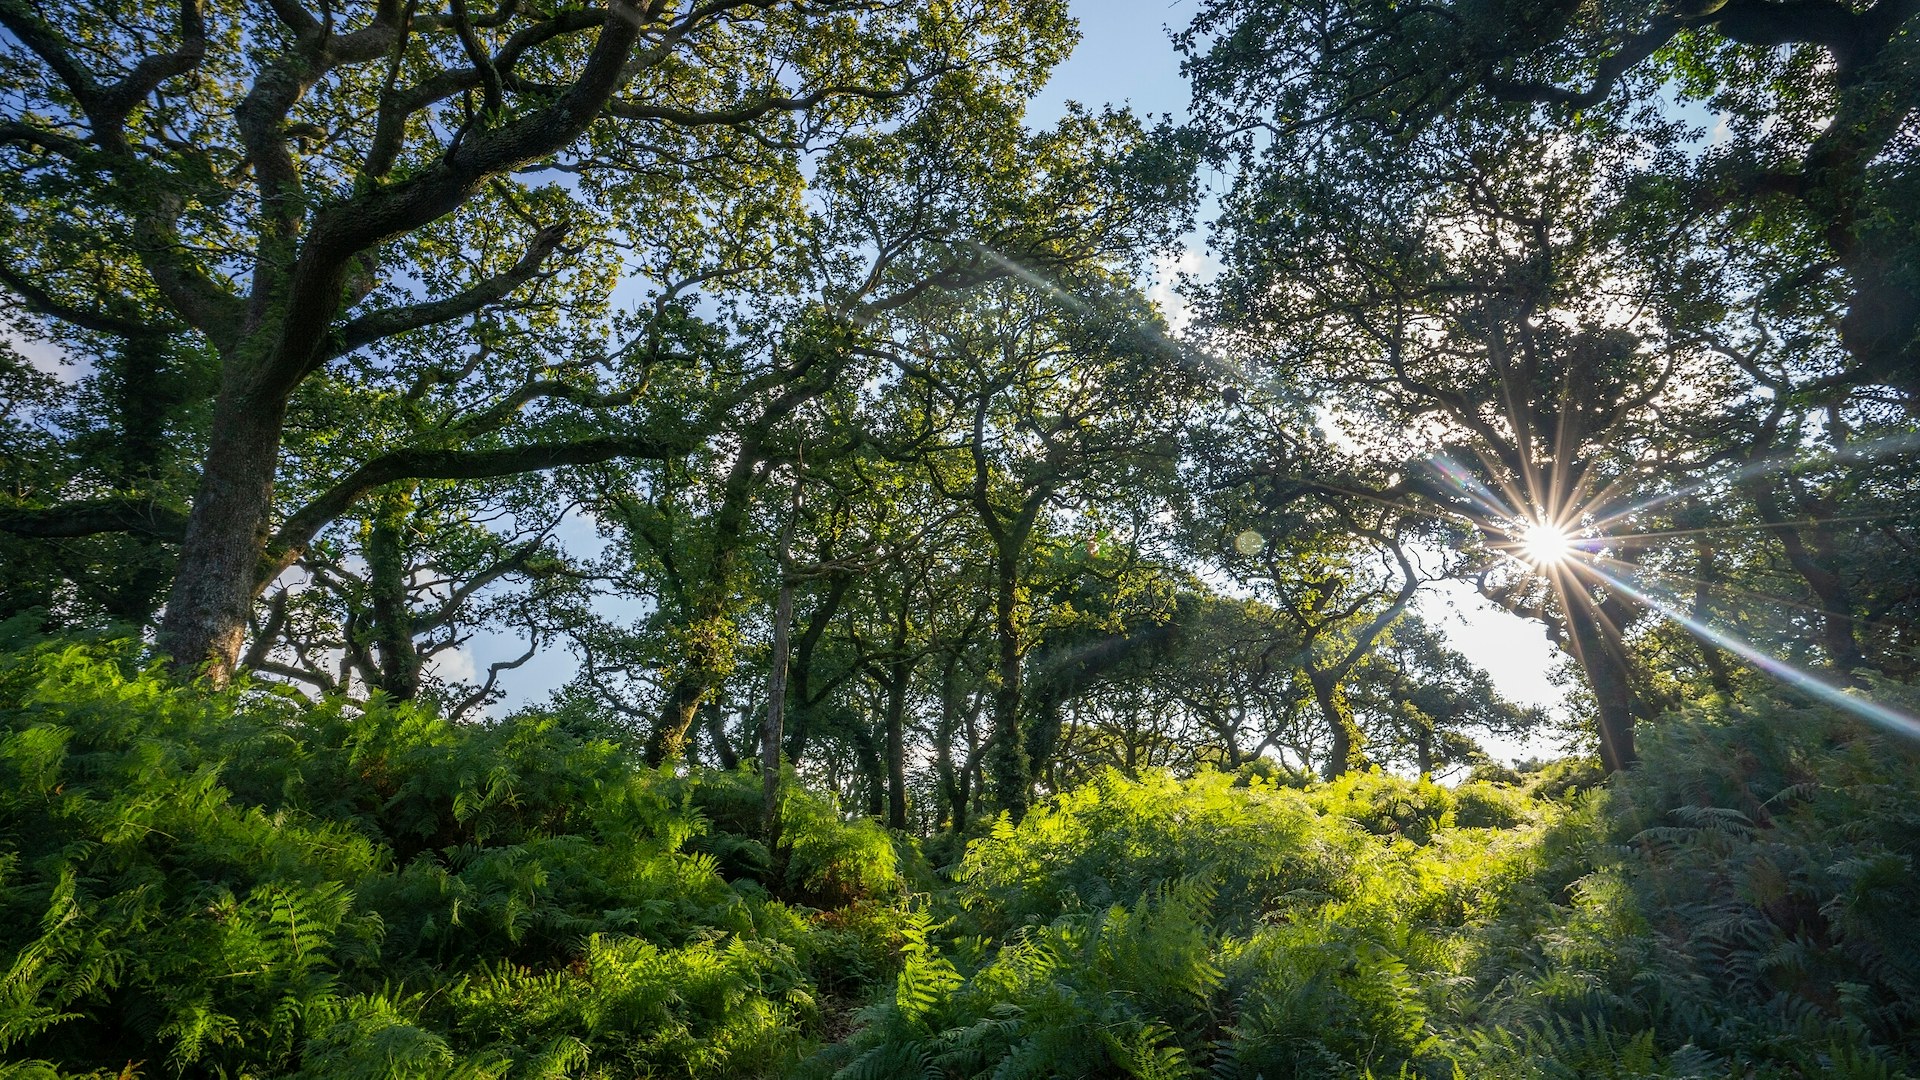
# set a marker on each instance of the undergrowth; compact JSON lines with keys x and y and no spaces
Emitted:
{"x":246,"y":884}
{"x":1740,"y":905}
{"x":241,"y":884}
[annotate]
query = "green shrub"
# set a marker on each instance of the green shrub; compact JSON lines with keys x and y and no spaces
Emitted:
{"x":1737,"y":906}
{"x":1481,"y":805}
{"x":243,"y":883}
{"x":1101,"y":994}
{"x":1105,"y":843}
{"x":1387,"y":805}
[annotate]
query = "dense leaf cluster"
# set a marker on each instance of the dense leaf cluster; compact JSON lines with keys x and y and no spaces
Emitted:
{"x":243,"y":884}
{"x":1736,"y":907}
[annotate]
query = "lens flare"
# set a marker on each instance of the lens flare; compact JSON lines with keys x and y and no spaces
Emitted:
{"x":1883,"y":716}
{"x":1545,"y":544}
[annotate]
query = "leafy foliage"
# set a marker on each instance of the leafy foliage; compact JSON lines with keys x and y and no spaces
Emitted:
{"x":1732,"y":907}
{"x":243,"y":884}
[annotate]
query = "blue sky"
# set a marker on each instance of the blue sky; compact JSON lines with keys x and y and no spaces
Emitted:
{"x":1124,"y":57}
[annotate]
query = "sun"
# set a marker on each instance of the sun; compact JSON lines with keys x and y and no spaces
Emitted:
{"x":1545,"y":544}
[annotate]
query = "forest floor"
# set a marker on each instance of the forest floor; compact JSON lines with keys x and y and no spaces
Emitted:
{"x":245,"y":884}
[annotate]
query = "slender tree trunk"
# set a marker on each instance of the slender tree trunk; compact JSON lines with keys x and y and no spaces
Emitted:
{"x":712,"y":615}
{"x":1602,"y":656}
{"x":146,"y":383}
{"x":873,"y":772}
{"x":1007,"y":762}
{"x":1813,"y":564}
{"x":220,"y":556}
{"x":1229,"y":727}
{"x":775,"y":717}
{"x":1343,"y":753}
{"x":1706,"y":572}
{"x":962,"y":801}
{"x":1043,"y":733}
{"x":400,"y":664}
{"x":896,"y":714}
{"x":800,"y":702}
{"x":948,"y":808}
{"x":714,"y":722}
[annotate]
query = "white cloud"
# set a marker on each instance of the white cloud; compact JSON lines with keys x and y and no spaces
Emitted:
{"x":456,"y":665}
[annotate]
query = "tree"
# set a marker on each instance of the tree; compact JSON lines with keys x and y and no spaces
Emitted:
{"x":1807,"y":157}
{"x":424,"y":570}
{"x":306,"y":196}
{"x":1427,"y":700}
{"x":1476,"y":306}
{"x":1041,"y":398}
{"x":1340,"y":571}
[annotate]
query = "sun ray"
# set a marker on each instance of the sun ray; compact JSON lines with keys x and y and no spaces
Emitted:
{"x":1890,"y":446}
{"x":1738,"y":592}
{"x":1882,"y":716}
{"x":1756,"y":527}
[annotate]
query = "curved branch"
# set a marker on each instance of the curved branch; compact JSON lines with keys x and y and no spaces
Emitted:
{"x":45,"y":303}
{"x":290,"y":542}
{"x":1607,"y":75}
{"x":146,"y":518}
{"x":372,"y":326}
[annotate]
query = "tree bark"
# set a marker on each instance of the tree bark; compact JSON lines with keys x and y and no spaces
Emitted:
{"x":775,"y":717}
{"x":1343,"y":755}
{"x":1007,"y":762}
{"x":900,"y":674}
{"x":950,"y":810}
{"x":214,"y":586}
{"x":873,"y":772}
{"x":800,"y":700}
{"x":399,"y":671}
{"x":715,"y":724}
{"x":1602,"y":656}
{"x":668,"y":739}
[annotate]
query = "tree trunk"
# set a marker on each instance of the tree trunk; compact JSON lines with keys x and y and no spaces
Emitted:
{"x":1343,"y":755}
{"x":1007,"y":762}
{"x":1813,"y":565}
{"x":1602,"y":656}
{"x":1042,"y":732}
{"x":800,"y":699}
{"x":668,"y":740}
{"x":146,"y":383}
{"x":775,"y":717}
{"x":1706,"y":572}
{"x":901,"y":674}
{"x":399,"y":669}
{"x":872,"y":771}
{"x":714,"y":721}
{"x":947,"y":801}
{"x":220,"y":556}
{"x":957,"y":714}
